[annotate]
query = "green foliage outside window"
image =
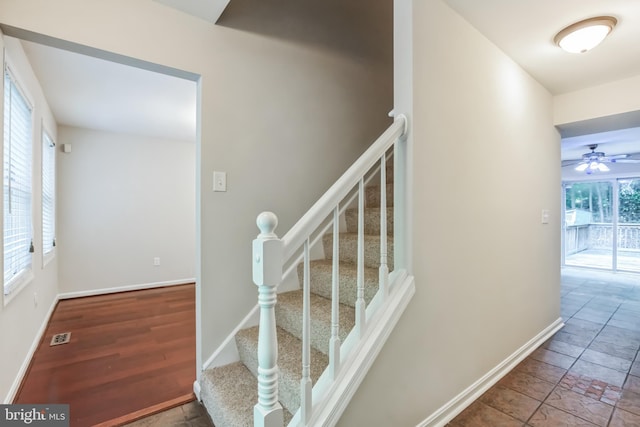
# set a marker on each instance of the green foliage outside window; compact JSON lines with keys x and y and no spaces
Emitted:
{"x":597,"y":198}
{"x":629,"y":201}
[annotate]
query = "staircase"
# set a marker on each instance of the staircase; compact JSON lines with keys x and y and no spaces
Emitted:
{"x":230,"y":392}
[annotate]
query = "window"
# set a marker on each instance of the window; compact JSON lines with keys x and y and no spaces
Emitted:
{"x":18,"y":243}
{"x":48,"y":193}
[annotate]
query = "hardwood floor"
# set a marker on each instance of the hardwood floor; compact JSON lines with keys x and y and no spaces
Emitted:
{"x":130,"y":354}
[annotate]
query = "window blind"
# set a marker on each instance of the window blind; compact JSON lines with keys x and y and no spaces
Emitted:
{"x":17,"y":184}
{"x":48,"y":193}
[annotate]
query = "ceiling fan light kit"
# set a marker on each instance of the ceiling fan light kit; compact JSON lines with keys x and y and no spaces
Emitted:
{"x":585,"y":35}
{"x":592,"y":167}
{"x":595,"y":161}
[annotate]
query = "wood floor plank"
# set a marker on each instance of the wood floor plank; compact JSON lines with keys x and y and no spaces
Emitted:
{"x":130,"y":355}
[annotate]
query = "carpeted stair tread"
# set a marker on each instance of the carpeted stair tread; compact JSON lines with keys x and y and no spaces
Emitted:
{"x":321,"y":280}
{"x":372,"y":195}
{"x":229,"y":393}
{"x":371,"y":220}
{"x":289,"y":363}
{"x":349,"y":249}
{"x":289,"y":315}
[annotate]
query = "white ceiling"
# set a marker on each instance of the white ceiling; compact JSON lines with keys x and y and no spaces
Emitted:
{"x":209,"y":10}
{"x":94,"y":93}
{"x":89,"y":92}
{"x":524,"y":30}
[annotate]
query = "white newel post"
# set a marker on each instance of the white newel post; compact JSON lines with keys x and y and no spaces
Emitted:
{"x":267,"y":275}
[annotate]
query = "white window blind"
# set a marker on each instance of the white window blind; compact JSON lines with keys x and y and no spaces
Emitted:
{"x":17,"y":185}
{"x":48,"y":193}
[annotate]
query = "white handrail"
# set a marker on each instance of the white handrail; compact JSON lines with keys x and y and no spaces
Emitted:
{"x":296,"y":236}
{"x":293,"y":262}
{"x":270,"y":255}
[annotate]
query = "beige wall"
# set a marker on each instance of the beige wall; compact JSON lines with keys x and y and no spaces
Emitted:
{"x":122,"y":201}
{"x":22,"y":317}
{"x":605,"y":100}
{"x":283,"y":118}
{"x":486,"y":162}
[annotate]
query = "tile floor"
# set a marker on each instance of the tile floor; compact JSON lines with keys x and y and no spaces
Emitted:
{"x":587,"y":374}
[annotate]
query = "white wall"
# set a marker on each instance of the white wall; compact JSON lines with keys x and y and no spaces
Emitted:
{"x":282,"y":117}
{"x":23,"y":316}
{"x":123,"y":200}
{"x":609,"y":99}
{"x":486,"y":162}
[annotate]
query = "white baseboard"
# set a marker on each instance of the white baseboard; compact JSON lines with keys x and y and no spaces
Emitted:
{"x":456,"y":405}
{"x":27,"y":360}
{"x":93,"y":292}
{"x":197,"y":390}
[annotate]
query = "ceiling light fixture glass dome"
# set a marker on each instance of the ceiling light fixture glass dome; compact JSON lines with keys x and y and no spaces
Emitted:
{"x":585,"y":35}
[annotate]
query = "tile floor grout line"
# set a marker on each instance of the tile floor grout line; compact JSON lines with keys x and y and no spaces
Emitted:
{"x":609,"y":420}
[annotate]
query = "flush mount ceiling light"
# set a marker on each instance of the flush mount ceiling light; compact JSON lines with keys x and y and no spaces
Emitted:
{"x":585,"y":35}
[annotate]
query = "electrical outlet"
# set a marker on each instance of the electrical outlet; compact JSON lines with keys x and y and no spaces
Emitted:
{"x":156,"y":261}
{"x":35,"y":299}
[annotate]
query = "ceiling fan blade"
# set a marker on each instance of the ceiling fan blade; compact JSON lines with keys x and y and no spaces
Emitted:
{"x":618,"y":156}
{"x":566,"y":163}
{"x":625,"y":161}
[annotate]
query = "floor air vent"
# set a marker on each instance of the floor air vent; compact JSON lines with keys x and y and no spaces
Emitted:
{"x":60,"y":338}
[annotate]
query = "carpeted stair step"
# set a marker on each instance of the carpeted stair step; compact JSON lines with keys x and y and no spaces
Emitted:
{"x":349,"y":249}
{"x":229,"y":393}
{"x":321,"y":272}
{"x":289,"y":318}
{"x":372,"y":195}
{"x":289,"y":362}
{"x":371,"y":220}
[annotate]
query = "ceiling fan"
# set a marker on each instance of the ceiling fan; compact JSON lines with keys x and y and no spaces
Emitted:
{"x":595,"y":161}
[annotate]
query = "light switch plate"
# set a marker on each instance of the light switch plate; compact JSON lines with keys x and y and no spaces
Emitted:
{"x":219,"y":181}
{"x":545,"y":216}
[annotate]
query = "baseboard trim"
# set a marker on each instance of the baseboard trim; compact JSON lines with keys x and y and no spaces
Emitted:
{"x":456,"y":405}
{"x":27,"y":360}
{"x":197,"y":390}
{"x":126,"y":288}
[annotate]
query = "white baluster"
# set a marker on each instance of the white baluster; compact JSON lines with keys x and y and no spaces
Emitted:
{"x":267,"y":275}
{"x":402,"y":239}
{"x":384,"y":268}
{"x":305,"y":381}
{"x":334,"y":343}
{"x":360,"y":304}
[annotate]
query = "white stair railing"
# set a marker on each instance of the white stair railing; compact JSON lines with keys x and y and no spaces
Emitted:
{"x":270,"y":254}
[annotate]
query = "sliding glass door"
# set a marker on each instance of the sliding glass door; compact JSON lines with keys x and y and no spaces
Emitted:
{"x":588,"y":224}
{"x":602,"y":224}
{"x":628,"y":236}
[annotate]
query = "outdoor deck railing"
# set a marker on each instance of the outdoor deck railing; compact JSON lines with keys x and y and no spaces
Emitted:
{"x":582,"y":237}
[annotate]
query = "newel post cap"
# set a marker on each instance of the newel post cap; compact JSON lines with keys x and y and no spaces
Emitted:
{"x":267,"y":223}
{"x":267,"y":252}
